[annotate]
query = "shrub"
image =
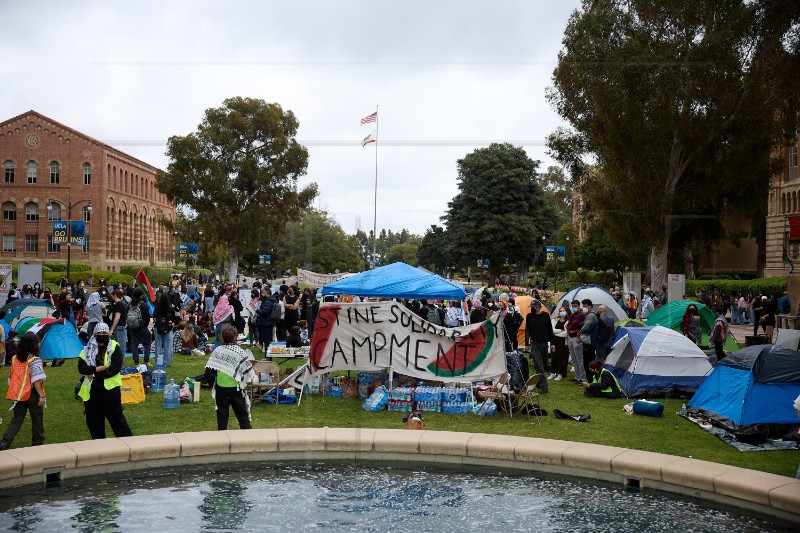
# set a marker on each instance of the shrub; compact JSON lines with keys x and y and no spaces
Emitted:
{"x":62,"y":267}
{"x":111,"y":277}
{"x":767,"y":286}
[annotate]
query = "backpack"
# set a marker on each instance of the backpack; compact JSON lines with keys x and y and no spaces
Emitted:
{"x":433,"y":316}
{"x":162,"y":325}
{"x":275,"y":314}
{"x":605,"y":329}
{"x":134,"y":317}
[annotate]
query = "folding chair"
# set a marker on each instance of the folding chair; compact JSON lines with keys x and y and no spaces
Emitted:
{"x":501,"y":398}
{"x":530,"y":396}
{"x":257,"y":390}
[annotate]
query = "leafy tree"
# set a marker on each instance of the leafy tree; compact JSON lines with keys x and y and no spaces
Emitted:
{"x":316,"y":242}
{"x":405,"y":252}
{"x":595,"y":253}
{"x":239,"y":173}
{"x":558,"y":187}
{"x":501,"y":211}
{"x":433,"y":250}
{"x":678,"y":105}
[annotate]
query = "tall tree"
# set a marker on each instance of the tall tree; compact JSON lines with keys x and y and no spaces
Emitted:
{"x":501,"y":212}
{"x":239,"y":173}
{"x":433,"y":251}
{"x":677,"y":104}
{"x":558,"y":186}
{"x":318,"y":243}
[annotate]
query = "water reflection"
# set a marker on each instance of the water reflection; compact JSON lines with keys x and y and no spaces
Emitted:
{"x":97,"y":513}
{"x":225,"y":506}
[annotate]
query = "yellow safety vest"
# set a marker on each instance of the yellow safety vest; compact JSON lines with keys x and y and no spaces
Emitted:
{"x":109,"y":383}
{"x":596,"y":379}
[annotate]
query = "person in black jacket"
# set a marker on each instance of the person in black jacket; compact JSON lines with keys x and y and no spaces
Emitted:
{"x":604,"y":384}
{"x":140,"y":335}
{"x":538,"y":333}
{"x":265,"y":322}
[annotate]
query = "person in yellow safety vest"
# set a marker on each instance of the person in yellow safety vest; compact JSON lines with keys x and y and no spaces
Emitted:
{"x":26,"y":389}
{"x":100,"y":363}
{"x":604,"y":383}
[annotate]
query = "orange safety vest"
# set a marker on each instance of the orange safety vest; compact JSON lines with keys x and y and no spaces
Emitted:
{"x":19,"y":387}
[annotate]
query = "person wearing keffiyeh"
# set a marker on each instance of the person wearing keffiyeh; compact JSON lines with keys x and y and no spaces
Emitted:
{"x":223,"y":317}
{"x":228,"y":371}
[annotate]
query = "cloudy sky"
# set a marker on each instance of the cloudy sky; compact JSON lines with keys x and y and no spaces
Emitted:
{"x":449,"y":77}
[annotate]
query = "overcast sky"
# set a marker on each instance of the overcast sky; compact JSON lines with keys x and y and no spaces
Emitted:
{"x":449,"y":76}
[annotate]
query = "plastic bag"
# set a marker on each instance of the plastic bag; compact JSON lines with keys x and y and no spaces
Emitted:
{"x":485,"y":408}
{"x":377,"y":401}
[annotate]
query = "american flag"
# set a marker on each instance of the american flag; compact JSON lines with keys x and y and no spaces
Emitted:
{"x":369,"y":118}
{"x":368,"y":139}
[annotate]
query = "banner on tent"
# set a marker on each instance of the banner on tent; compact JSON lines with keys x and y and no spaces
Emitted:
{"x":312,"y":278}
{"x":379,"y":335}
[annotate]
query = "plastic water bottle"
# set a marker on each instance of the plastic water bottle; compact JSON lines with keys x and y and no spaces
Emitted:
{"x":159,"y":380}
{"x":172,"y":395}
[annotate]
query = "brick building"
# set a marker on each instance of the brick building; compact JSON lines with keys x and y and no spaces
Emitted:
{"x":784,"y":201}
{"x":47,"y":162}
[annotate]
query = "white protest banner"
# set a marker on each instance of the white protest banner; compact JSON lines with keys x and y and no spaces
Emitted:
{"x":379,"y":335}
{"x":5,"y":283}
{"x":318,"y":280}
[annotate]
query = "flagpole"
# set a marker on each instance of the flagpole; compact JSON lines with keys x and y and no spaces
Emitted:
{"x":375,"y":207}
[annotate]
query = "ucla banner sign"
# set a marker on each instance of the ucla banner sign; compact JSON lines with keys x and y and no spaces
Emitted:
{"x":60,"y":232}
{"x":77,"y":235}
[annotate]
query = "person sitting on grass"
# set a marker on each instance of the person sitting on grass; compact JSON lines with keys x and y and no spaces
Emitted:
{"x":604,"y":384}
{"x":293,"y":340}
{"x":228,"y":371}
{"x":189,"y":340}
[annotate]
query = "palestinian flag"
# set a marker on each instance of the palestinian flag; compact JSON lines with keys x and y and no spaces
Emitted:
{"x":43,"y":326}
{"x":788,"y":260}
{"x":143,"y":283}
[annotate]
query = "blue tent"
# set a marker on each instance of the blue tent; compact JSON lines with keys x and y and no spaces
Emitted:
{"x":397,"y":280}
{"x":6,"y":326}
{"x":60,"y":342}
{"x":756,"y":385}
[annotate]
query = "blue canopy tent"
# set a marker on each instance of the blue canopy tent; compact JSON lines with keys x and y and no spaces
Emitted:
{"x":397,"y":280}
{"x":61,"y":342}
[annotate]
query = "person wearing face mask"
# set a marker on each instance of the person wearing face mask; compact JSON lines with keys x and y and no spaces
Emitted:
{"x":100,"y":363}
{"x":560,"y":357}
{"x":573,"y":327}
{"x":588,"y":335}
{"x":691,"y":324}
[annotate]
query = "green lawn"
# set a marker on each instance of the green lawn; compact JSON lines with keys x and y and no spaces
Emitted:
{"x":609,"y":424}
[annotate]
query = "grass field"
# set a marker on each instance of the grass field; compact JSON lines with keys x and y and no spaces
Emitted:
{"x":671,"y":434}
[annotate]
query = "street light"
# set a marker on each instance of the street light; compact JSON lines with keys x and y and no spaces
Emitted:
{"x":70,"y":205}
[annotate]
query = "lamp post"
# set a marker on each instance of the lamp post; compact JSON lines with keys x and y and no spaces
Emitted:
{"x":70,"y":205}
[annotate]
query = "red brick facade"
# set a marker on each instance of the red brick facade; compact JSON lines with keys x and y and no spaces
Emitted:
{"x":44,"y":160}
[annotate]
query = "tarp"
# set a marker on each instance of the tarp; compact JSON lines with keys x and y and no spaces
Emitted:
{"x":307,"y":277}
{"x":397,"y":280}
{"x":61,"y":342}
{"x":378,"y":335}
{"x":597,"y":294}
{"x":756,"y":385}
{"x":654,"y":361}
{"x":25,"y":307}
{"x":670,"y":316}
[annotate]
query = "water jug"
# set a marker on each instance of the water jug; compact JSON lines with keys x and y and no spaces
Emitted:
{"x":172,"y":395}
{"x":159,"y":380}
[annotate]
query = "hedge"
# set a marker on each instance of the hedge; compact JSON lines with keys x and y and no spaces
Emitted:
{"x":768,"y":286}
{"x":111,"y":277}
{"x":58,"y":266}
{"x":161,"y":275}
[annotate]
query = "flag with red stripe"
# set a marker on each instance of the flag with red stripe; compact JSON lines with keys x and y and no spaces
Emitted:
{"x":144,"y":284}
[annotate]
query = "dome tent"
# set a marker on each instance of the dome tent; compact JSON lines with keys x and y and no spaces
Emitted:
{"x":670,"y":315}
{"x":597,"y":294}
{"x":656,"y":361}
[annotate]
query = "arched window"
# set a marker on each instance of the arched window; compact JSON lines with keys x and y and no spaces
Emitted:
{"x":783,"y":203}
{"x":9,"y":211}
{"x":87,"y":174}
{"x":9,"y":168}
{"x":54,"y":213}
{"x":55,"y":173}
{"x":33,"y":171}
{"x":31,"y":212}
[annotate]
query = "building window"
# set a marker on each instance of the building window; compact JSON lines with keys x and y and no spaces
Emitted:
{"x":51,"y":248}
{"x":55,"y":173}
{"x":9,"y":243}
{"x":86,"y":244}
{"x":32,"y":244}
{"x":87,"y":174}
{"x":33,"y":172}
{"x":793,"y":163}
{"x":9,"y":166}
{"x":87,"y":215}
{"x":54,"y":213}
{"x":31,"y":212}
{"x":9,"y":211}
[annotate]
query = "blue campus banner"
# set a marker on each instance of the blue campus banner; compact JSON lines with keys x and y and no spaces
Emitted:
{"x":193,"y":250}
{"x":77,"y":232}
{"x":265,"y":259}
{"x":183,"y":250}
{"x":556,"y":254}
{"x":60,"y":232}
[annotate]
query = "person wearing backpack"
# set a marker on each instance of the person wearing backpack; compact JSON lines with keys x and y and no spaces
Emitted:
{"x":588,"y":334}
{"x":605,"y":333}
{"x":26,"y":389}
{"x":119,"y":324}
{"x":163,"y":319}
{"x":267,"y":309}
{"x":138,"y":322}
{"x":434,"y":316}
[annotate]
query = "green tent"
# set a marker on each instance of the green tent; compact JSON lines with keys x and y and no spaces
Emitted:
{"x":670,"y":315}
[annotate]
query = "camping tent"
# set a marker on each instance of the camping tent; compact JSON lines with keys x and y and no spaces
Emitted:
{"x":655,"y":361}
{"x":598,"y":295}
{"x":755,"y":385}
{"x":670,"y":316}
{"x":60,"y":342}
{"x":26,"y":307}
{"x":397,"y":280}
{"x":628,"y":323}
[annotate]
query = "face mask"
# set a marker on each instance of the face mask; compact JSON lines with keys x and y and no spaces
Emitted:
{"x":584,"y":309}
{"x":562,"y":313}
{"x":574,"y":309}
{"x":102,"y":340}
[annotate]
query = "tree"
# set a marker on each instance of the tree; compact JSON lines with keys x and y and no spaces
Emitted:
{"x":239,"y":173}
{"x":595,"y":253}
{"x":317,"y":243}
{"x":501,"y":212}
{"x":433,"y":250}
{"x":559,"y":188}
{"x":405,"y":252}
{"x":678,"y":103}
